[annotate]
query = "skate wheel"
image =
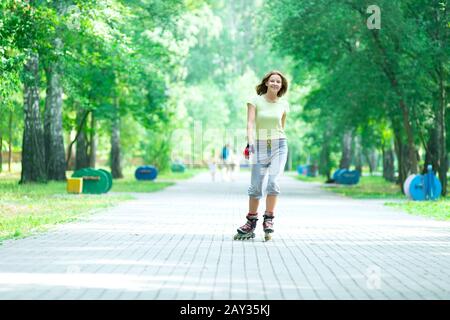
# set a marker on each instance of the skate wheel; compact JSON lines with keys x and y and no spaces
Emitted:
{"x":267,"y":237}
{"x":244,"y":236}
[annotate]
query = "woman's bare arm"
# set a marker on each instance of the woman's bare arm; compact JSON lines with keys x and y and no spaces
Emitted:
{"x":283,"y":120}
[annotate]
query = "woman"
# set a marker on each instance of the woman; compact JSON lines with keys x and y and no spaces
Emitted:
{"x":268,"y":152}
{"x":212,"y":162}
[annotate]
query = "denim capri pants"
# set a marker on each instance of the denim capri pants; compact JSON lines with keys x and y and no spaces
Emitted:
{"x":270,"y":157}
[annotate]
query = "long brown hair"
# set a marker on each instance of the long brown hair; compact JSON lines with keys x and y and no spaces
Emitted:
{"x":262,"y":88}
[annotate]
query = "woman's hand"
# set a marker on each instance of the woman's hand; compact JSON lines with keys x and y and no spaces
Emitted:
{"x":249,"y":149}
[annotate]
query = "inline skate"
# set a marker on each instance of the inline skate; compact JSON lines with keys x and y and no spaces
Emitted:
{"x":268,"y":227}
{"x":247,"y":231}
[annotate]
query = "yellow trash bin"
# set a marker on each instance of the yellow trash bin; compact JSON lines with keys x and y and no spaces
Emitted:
{"x":75,"y":185}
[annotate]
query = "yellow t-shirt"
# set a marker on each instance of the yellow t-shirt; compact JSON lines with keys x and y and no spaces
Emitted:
{"x":268,"y":117}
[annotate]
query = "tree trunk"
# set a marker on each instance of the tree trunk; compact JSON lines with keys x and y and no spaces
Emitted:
{"x":324,"y":167}
{"x":346,"y":156}
{"x":325,"y":161}
{"x":371,"y":158}
{"x":10,"y":140}
{"x":33,"y":150}
{"x":432,"y":150}
{"x":442,"y":37}
{"x":412,"y":152}
{"x":81,"y":120}
{"x":386,"y":67}
{"x":70,"y":164}
{"x":358,"y":154}
{"x":93,"y":142}
{"x":53,"y":131}
{"x":81,"y":156}
{"x":388,"y":164}
{"x":402,"y":163}
{"x":404,"y":156}
{"x":116,"y":169}
{"x":441,"y":135}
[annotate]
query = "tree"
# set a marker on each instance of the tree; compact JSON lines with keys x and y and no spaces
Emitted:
{"x":53,"y":130}
{"x":332,"y":38}
{"x":33,"y":155}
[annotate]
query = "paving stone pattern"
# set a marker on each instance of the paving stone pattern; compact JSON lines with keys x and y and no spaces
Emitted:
{"x":177,"y":244}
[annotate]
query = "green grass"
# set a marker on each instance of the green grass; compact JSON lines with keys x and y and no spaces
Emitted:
{"x":375,"y":187}
{"x":369,"y":187}
{"x":308,"y":179}
{"x":439,"y":210}
{"x":189,"y":173}
{"x":163,"y":180}
{"x":26,"y":209}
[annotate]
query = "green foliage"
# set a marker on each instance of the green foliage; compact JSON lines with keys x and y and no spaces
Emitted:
{"x":26,"y":209}
{"x":164,"y":65}
{"x":360,"y":75}
{"x":369,"y":187}
{"x":157,"y":150}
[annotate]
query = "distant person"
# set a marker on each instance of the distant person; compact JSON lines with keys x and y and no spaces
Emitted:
{"x":268,"y":152}
{"x":212,"y":165}
{"x":225,"y":152}
{"x":234,"y":164}
{"x":225,"y":157}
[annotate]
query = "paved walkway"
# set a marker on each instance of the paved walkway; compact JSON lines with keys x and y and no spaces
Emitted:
{"x":177,"y":244}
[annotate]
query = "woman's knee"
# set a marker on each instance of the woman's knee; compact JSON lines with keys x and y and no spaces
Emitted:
{"x":273,"y":188}
{"x":255,"y":191}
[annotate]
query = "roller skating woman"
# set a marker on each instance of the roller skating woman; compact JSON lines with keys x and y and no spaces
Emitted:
{"x":266,"y":112}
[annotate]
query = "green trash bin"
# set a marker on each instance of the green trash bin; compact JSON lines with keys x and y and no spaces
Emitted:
{"x":94,"y":181}
{"x":110,"y":179}
{"x":177,"y":167}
